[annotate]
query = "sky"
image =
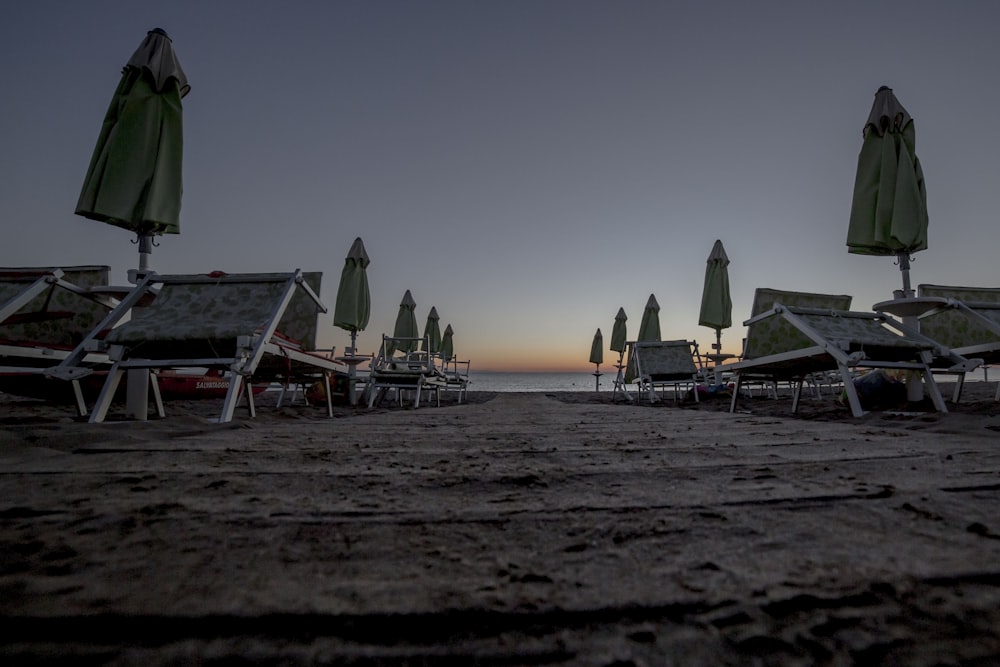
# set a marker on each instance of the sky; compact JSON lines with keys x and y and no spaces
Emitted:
{"x":526,"y":167}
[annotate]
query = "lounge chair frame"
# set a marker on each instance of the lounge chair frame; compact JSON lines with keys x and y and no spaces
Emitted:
{"x":845,"y":341}
{"x":399,"y":371}
{"x":43,"y":314}
{"x":250,"y":348}
{"x":664,"y":364}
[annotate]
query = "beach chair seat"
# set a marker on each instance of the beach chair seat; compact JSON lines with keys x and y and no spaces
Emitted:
{"x":793,"y":335}
{"x":258,"y":327}
{"x":44,"y":313}
{"x":965,"y":319}
{"x":394,"y":369}
{"x":665,"y":364}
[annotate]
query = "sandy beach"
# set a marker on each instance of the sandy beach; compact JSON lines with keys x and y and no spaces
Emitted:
{"x":517,"y":529}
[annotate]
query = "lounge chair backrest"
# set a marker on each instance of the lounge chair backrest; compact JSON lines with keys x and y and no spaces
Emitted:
{"x":74,"y":316}
{"x":300,"y":319}
{"x":671,"y":358}
{"x":191,"y":308}
{"x":776,"y":334}
{"x":952,"y":328}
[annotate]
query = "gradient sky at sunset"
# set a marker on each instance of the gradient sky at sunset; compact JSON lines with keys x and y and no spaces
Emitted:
{"x":527,"y":167}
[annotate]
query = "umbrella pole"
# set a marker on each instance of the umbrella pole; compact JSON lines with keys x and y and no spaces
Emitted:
{"x":137,"y":390}
{"x":597,"y":377}
{"x":914,"y":383}
{"x":904,"y":269}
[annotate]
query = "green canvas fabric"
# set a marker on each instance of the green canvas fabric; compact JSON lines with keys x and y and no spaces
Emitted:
{"x":889,"y":206}
{"x":649,"y":325}
{"x":597,"y":349}
{"x":405,"y":326}
{"x":448,"y":343}
{"x":956,"y":330}
{"x":432,"y":332}
{"x":619,"y":333}
{"x":775,"y":335}
{"x":353,"y":307}
{"x":79,"y":315}
{"x":666,"y":361}
{"x":716,"y":303}
{"x":649,"y":331}
{"x":134,"y":177}
{"x":214,"y":314}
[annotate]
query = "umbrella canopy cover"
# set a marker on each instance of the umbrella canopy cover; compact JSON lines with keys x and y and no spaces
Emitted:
{"x":406,"y":324}
{"x":597,"y":349}
{"x":889,"y":208}
{"x":353,"y":297}
{"x":716,"y":303}
{"x":134,"y":177}
{"x":448,"y":343}
{"x":649,"y":326}
{"x":432,"y":331}
{"x":619,"y":332}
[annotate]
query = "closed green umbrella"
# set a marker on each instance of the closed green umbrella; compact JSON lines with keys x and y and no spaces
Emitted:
{"x":353,"y":297}
{"x":889,"y":207}
{"x":597,"y":349}
{"x":597,"y":357}
{"x":447,"y":343}
{"x":716,"y":304}
{"x":619,"y":336}
{"x":134,"y":177}
{"x":649,"y":330}
{"x":649,"y":325}
{"x":432,"y":331}
{"x":406,"y":325}
{"x":619,"y":332}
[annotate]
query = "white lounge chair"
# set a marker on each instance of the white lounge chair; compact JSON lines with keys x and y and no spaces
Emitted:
{"x":795,"y":334}
{"x":397,"y":370}
{"x":260,"y":327}
{"x":664,"y":364}
{"x":965,"y":319}
{"x":456,"y":376}
{"x":44,"y":313}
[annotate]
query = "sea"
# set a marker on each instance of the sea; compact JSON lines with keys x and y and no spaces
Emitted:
{"x":582,"y":381}
{"x":541,"y":382}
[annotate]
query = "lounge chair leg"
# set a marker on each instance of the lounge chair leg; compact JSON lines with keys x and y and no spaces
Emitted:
{"x":737,"y":381}
{"x":154,"y":386}
{"x":107,"y":393}
{"x":796,"y":395}
{"x":81,"y":406}
{"x":232,"y":397}
{"x":851,"y":391}
{"x":329,"y":394}
{"x":959,"y":384}
{"x":934,"y":391}
{"x":996,"y":396}
{"x":248,"y":391}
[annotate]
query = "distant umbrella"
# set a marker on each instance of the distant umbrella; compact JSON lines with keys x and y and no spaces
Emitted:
{"x":889,"y":207}
{"x":353,"y":297}
{"x":597,"y":357}
{"x":134,"y":177}
{"x":716,"y":304}
{"x":649,"y":331}
{"x":447,"y":343}
{"x":432,"y":331}
{"x":597,"y":349}
{"x":649,"y":326}
{"x":406,"y":325}
{"x":618,"y":332}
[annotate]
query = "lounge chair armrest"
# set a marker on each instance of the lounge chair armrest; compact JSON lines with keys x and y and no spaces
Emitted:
{"x":965,"y":366}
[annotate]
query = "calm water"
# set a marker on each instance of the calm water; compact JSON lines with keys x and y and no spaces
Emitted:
{"x":580,"y":381}
{"x":489,"y":381}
